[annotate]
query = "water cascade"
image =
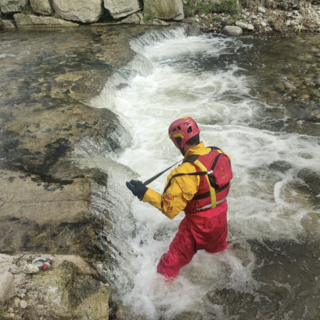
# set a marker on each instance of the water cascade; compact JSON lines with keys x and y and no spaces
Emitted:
{"x":270,"y":204}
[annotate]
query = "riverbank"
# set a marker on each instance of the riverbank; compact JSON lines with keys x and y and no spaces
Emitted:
{"x":255,"y":17}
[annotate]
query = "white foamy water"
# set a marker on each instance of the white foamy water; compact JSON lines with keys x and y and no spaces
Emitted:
{"x":186,"y":80}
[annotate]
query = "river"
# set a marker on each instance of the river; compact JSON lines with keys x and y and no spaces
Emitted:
{"x":257,"y":98}
{"x":235,"y":88}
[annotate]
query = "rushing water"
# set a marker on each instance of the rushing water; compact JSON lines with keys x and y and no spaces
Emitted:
{"x":220,"y":82}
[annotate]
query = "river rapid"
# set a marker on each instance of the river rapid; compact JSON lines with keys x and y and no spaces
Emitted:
{"x":247,"y":96}
{"x":257,"y":98}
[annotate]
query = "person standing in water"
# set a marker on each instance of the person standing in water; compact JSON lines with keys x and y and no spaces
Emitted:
{"x":199,"y":187}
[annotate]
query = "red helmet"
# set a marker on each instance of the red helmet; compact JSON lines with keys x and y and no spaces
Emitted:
{"x":181,"y":130}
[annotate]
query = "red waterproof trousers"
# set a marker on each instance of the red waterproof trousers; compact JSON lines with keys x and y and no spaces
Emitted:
{"x":204,"y":230}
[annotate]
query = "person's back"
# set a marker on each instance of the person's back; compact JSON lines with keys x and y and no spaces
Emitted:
{"x":199,"y":187}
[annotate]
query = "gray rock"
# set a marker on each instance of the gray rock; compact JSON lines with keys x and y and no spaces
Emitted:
{"x":164,"y":9}
{"x":122,"y":8}
{"x":8,"y":24}
{"x":81,"y":10}
{"x":264,"y":24}
{"x":261,"y":10}
{"x":250,"y":27}
{"x":241,"y":24}
{"x":232,"y":31}
{"x":159,"y":22}
{"x":25,"y":21}
{"x":41,"y":6}
{"x":6,"y":286}
{"x":133,"y":19}
{"x":312,"y":179}
{"x":11,"y":6}
{"x":30,"y":269}
{"x":23,"y":304}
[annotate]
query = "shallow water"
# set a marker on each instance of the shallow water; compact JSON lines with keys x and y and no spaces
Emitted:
{"x":231,"y":87}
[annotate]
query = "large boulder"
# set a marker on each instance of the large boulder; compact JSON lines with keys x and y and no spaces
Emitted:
{"x":25,"y":20}
{"x":81,"y":10}
{"x":122,"y":8}
{"x":41,"y":6}
{"x":10,"y":6}
{"x":164,"y":9}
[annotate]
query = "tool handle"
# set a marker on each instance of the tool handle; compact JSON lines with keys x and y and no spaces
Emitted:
{"x":159,"y":174}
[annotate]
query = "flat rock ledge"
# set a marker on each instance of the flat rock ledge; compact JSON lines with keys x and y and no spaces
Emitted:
{"x":26,"y":20}
{"x":69,"y":289}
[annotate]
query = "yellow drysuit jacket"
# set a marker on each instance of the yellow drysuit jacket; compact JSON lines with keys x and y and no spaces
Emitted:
{"x":181,"y":190}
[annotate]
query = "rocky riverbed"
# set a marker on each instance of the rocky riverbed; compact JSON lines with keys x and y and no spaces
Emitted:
{"x":50,"y":126}
{"x":51,"y":204}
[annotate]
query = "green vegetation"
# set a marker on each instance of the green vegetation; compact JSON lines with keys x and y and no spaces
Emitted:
{"x":148,"y":18}
{"x":27,"y":9}
{"x":3,"y":313}
{"x":193,"y":7}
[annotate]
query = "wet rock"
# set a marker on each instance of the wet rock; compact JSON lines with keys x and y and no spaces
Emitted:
{"x":289,"y":273}
{"x":164,"y":9}
{"x":82,"y":10}
{"x":6,"y":286}
{"x":232,"y":301}
{"x":25,"y":20}
{"x":281,"y":166}
{"x":12,"y":6}
{"x":232,"y":31}
{"x":191,"y":315}
{"x":312,"y":179}
{"x":42,"y":6}
{"x":120,"y":9}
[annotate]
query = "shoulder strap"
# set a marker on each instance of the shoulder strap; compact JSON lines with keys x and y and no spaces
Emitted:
{"x":192,"y":158}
